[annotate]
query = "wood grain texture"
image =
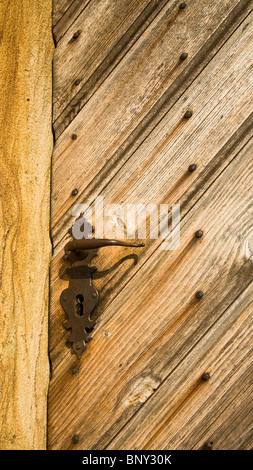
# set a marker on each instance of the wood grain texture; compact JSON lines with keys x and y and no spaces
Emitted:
{"x":60,"y":7}
{"x":118,"y":26}
{"x":26,"y":147}
{"x":88,"y":53}
{"x":186,"y":406}
{"x":77,"y":96}
{"x":153,"y":338}
{"x":118,"y":107}
{"x":64,"y":15}
{"x":165,"y":156}
{"x":144,"y":338}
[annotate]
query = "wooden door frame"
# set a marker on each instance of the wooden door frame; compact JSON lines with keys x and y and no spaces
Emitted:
{"x":26,"y":150}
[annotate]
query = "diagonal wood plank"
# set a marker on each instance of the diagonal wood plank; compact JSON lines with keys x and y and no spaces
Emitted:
{"x":65,"y":12}
{"x":87,"y":87}
{"x":193,"y":411}
{"x":146,"y":338}
{"x":163,"y":157}
{"x":78,"y":58}
{"x":110,"y":56}
{"x":59,"y":9}
{"x":139,"y":384}
{"x":101,"y":146}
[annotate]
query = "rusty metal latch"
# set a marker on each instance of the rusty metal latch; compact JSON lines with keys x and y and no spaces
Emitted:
{"x":80,"y":298}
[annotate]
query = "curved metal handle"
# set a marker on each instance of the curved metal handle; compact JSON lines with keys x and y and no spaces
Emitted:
{"x":93,"y":243}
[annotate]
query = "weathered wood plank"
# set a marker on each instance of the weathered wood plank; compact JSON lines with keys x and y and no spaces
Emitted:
{"x":100,"y":149}
{"x":59,"y":9}
{"x":78,"y":58}
{"x":186,"y":412}
{"x":87,"y":89}
{"x":229,"y":423}
{"x":165,"y":157}
{"x":26,"y":147}
{"x":245,"y":439}
{"x":107,"y":31}
{"x":143,"y":339}
{"x":65,"y":13}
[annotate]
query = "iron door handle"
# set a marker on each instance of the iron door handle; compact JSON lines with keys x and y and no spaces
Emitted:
{"x":81,"y":297}
{"x":95,"y":243}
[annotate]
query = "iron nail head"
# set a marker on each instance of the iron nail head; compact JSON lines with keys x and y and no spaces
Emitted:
{"x":208,"y":445}
{"x":199,"y":294}
{"x":192,"y":167}
{"x":199,"y":234}
{"x":188,"y":114}
{"x":183,"y":56}
{"x":205,"y":377}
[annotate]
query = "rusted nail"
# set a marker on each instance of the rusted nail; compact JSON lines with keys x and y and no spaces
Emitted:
{"x":75,"y":438}
{"x":76,"y":82}
{"x":182,"y":5}
{"x":184,"y":56}
{"x":199,"y":233}
{"x":74,"y":192}
{"x":199,"y":294}
{"x":205,"y":377}
{"x":74,"y":137}
{"x":192,"y":167}
{"x":188,"y":114}
{"x":208,"y":445}
{"x":76,"y":34}
{"x":74,"y":370}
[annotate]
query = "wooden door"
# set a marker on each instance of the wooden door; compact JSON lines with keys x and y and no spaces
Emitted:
{"x":143,"y":90}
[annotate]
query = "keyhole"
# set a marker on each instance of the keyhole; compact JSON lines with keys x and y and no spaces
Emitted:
{"x":79,"y":305}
